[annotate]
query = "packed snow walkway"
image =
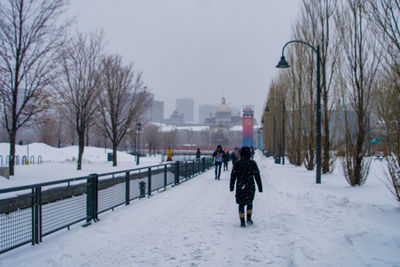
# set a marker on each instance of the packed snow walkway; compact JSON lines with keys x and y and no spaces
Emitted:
{"x":297,"y":223}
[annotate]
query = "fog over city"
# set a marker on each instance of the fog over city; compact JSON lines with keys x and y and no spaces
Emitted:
{"x":199,"y":49}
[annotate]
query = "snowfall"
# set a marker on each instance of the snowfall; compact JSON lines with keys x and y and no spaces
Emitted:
{"x":296,"y":221}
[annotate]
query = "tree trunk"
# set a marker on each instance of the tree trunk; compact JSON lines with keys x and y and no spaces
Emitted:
{"x":326,"y":143}
{"x":114,"y":154}
{"x":11,"y":162}
{"x":81,"y":143}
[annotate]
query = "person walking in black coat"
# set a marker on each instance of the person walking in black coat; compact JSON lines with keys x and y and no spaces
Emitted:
{"x":226,"y":160}
{"x":219,"y":157}
{"x":244,"y":172}
{"x":235,"y":155}
{"x":198,"y":154}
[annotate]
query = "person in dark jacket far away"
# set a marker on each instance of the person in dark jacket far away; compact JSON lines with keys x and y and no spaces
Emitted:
{"x":244,"y":172}
{"x":198,"y":153}
{"x":226,"y":160}
{"x":235,"y":155}
{"x":219,"y":157}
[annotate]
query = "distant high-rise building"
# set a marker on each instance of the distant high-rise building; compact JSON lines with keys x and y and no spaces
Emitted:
{"x":185,"y":107}
{"x":155,"y":113}
{"x":206,"y":111}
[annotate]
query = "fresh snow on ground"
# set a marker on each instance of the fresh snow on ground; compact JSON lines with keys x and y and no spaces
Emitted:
{"x":60,"y":163}
{"x":297,"y":223}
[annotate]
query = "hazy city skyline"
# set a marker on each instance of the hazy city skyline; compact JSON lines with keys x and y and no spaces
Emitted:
{"x":198,"y":49}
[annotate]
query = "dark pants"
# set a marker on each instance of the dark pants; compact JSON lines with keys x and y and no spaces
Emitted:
{"x":225,"y":165}
{"x":249,"y":207}
{"x":218,"y":166}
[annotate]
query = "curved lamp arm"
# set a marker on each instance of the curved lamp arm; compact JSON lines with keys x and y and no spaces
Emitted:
{"x":299,"y":41}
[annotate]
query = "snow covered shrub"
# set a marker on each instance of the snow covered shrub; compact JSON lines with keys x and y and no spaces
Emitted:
{"x":394,"y":179}
{"x":355,"y":168}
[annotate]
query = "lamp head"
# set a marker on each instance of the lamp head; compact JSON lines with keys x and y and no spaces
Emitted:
{"x":283,"y":64}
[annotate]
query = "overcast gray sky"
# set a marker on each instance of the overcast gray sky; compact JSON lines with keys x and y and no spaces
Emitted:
{"x":200,"y":49}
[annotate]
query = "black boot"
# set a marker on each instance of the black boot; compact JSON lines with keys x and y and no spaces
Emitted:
{"x":249,"y":221}
{"x":242,"y":222}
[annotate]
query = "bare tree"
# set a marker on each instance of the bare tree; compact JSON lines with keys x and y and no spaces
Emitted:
{"x":322,"y":11}
{"x":47,"y":129}
{"x":360,"y":64}
{"x":273,"y":117}
{"x":151,"y":135}
{"x":77,"y":84}
{"x":295,"y":104}
{"x":123,"y":100}
{"x":385,"y":15}
{"x":304,"y":65}
{"x":387,"y":103}
{"x":29,"y":42}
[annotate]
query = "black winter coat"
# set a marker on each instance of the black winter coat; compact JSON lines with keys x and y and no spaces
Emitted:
{"x":243,"y":173}
{"x":221,"y":154}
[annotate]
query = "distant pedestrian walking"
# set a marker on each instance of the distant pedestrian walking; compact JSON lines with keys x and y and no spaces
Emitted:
{"x":244,"y":172}
{"x":198,"y":153}
{"x":219,"y":157}
{"x":226,"y":160}
{"x":235,"y":155}
{"x":169,"y":155}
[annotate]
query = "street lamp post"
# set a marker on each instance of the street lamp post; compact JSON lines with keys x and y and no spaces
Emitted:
{"x":284,"y":64}
{"x":138,"y":125}
{"x":283,"y":126}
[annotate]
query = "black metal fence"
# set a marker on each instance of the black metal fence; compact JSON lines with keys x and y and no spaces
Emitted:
{"x":29,"y":213}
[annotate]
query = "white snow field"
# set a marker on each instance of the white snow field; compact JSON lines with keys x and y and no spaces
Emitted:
{"x":297,"y":223}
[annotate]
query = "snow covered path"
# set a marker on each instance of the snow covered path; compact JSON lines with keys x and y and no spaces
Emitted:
{"x":297,"y":223}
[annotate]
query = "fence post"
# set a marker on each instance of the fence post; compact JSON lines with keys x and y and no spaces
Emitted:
{"x":203,"y":164}
{"x":91,"y":197}
{"x":127,"y":188}
{"x":149,"y":183}
{"x":33,"y":216}
{"x":177,"y":173}
{"x":165,"y":177}
{"x":37,"y":215}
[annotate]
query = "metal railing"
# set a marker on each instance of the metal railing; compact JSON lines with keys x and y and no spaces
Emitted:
{"x":29,"y":213}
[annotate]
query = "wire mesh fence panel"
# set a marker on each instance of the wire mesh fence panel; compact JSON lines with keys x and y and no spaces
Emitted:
{"x":170,"y":175}
{"x":63,"y":213}
{"x":157,"y":181}
{"x":15,"y":229}
{"x":182,"y":171}
{"x":111,"y":197}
